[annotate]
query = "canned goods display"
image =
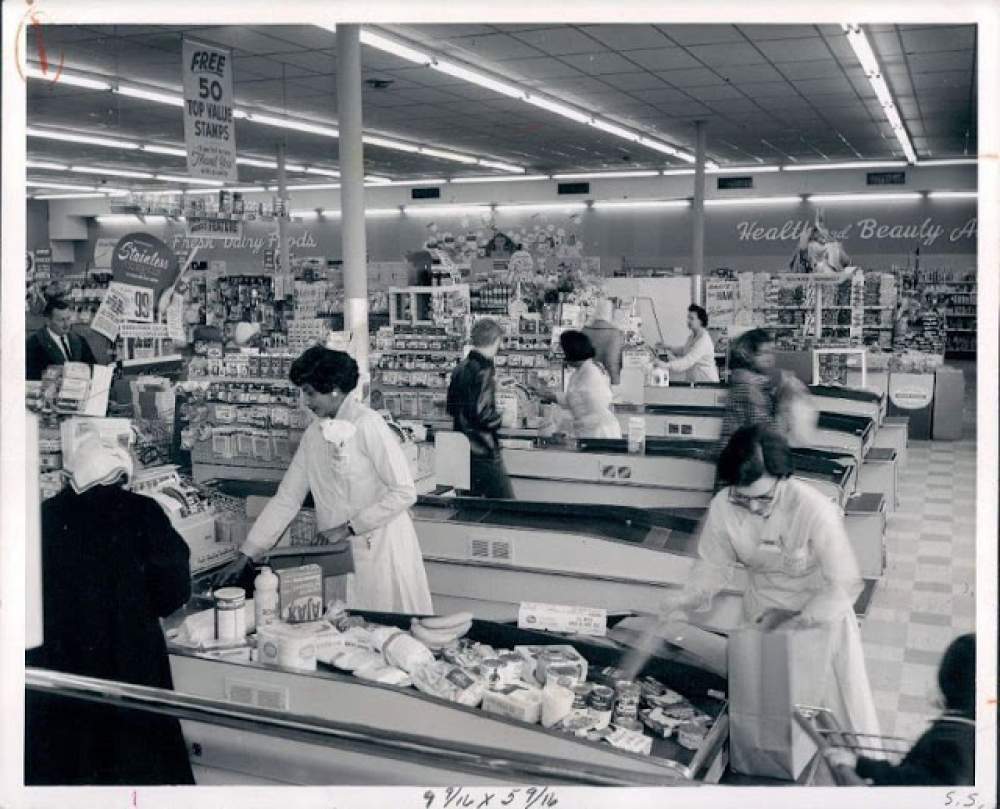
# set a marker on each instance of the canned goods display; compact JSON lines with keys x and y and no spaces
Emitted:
{"x":601,"y":698}
{"x":627,"y":696}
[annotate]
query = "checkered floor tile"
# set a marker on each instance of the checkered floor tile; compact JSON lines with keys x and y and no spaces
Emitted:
{"x":927,"y":596}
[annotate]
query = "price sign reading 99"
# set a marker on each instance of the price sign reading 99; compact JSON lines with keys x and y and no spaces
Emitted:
{"x":139,"y":304}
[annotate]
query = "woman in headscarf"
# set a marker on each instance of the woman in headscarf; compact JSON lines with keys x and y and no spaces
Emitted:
{"x":112,"y":566}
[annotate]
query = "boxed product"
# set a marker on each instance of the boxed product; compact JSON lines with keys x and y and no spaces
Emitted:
{"x":537,"y":660}
{"x":515,"y":701}
{"x":300,"y":593}
{"x":295,"y":646}
{"x":631,"y":741}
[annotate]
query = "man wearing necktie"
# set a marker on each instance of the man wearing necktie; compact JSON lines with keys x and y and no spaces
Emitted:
{"x":54,"y":343}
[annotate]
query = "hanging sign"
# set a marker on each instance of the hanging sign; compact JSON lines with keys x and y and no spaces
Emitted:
{"x":43,"y":264}
{"x":209,"y":131}
{"x":112,"y":312}
{"x":142,"y":268}
{"x":210,"y":228}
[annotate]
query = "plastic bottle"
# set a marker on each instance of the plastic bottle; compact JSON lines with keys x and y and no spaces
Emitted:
{"x":265,"y":597}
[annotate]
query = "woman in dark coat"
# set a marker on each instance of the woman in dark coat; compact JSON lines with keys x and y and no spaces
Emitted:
{"x":112,"y":566}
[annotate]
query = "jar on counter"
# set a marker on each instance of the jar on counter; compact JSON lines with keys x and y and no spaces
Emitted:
{"x":230,"y":617}
{"x":601,"y":702}
{"x":627,"y":697}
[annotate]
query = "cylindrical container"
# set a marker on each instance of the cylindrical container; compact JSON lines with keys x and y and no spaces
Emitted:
{"x":230,"y":619}
{"x":601,"y":701}
{"x":490,"y":671}
{"x":265,"y":598}
{"x":580,"y":694}
{"x":627,"y":696}
{"x":511,"y":667}
{"x":636,"y":435}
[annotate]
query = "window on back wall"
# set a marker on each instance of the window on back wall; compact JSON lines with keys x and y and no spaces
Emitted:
{"x":574,"y":188}
{"x":733,"y":183}
{"x":425,"y":193}
{"x":886,"y":178}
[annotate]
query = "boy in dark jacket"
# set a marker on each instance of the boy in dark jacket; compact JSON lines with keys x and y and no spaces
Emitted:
{"x":472,"y":405}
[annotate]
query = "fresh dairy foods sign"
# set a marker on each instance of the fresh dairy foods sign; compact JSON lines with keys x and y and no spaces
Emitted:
{"x":209,"y":131}
{"x":927,"y":233}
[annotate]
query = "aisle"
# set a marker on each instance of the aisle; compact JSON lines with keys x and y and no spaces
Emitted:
{"x":927,"y":597}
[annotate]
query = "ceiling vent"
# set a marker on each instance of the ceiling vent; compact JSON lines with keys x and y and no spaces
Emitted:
{"x":574,"y":188}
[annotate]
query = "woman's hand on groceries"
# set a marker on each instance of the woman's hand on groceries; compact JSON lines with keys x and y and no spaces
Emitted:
{"x":337,"y":535}
{"x":231,"y":572}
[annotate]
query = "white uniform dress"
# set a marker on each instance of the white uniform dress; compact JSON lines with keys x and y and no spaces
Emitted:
{"x":588,"y":398}
{"x":800,"y":552}
{"x":697,"y":360}
{"x":363,"y":478}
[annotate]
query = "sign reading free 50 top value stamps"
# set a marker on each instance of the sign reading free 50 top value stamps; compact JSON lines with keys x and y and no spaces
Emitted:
{"x":209,"y":130}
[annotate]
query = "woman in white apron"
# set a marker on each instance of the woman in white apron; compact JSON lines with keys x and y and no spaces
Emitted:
{"x":361,"y":483}
{"x":792,"y":543}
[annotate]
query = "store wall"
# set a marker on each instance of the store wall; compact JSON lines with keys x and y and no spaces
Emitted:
{"x":37,"y":218}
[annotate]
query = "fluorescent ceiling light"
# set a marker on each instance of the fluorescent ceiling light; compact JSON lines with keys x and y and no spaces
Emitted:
{"x":754,"y":201}
{"x":60,"y":186}
{"x":33,"y":72}
{"x":523,"y":178}
{"x":389,"y":143}
{"x":121,"y":217}
{"x":374,"y":40}
{"x":172,"y":99}
{"x":195,"y":191}
{"x":72,"y":137}
{"x":899,"y":195}
{"x":665,"y":148}
{"x":42,"y":164}
{"x":372,"y":180}
{"x":317,"y":187}
{"x":387,"y":183}
{"x":257,"y":162}
{"x":496,"y":164}
{"x":433,"y":210}
{"x":614,"y":129}
{"x":323,"y":172}
{"x":446,"y":155}
{"x":961,"y":161}
{"x":247,"y":189}
{"x":543,"y":206}
{"x":238,"y":113}
{"x":310,"y":214}
{"x":70,"y":196}
{"x":677,"y":172}
{"x":606,"y":175}
{"x":860,"y":164}
{"x":296,"y":126}
{"x":474,"y":77}
{"x":743,"y":170}
{"x":642,"y":203}
{"x":142,"y":175}
{"x":382,"y":211}
{"x":869,"y":63}
{"x":176,"y":178}
{"x":953,"y":194}
{"x":170,"y":150}
{"x":559,"y":109}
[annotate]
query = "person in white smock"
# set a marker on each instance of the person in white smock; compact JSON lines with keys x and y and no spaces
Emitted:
{"x":792,"y":543}
{"x":588,"y":394}
{"x":362,"y":486}
{"x":696,"y":358}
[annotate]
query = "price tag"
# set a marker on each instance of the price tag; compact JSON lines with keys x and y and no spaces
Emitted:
{"x":563,"y":618}
{"x":139,"y":303}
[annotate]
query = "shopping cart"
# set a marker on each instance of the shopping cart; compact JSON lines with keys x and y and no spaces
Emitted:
{"x":825,"y":732}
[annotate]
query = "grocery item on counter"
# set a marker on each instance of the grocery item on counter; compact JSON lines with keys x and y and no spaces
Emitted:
{"x":631,"y":741}
{"x":537,"y":660}
{"x":353,"y":639}
{"x":265,"y":596}
{"x":557,"y":700}
{"x":300,"y":592}
{"x":627,"y":696}
{"x":665,"y":699}
{"x":692,"y":734}
{"x":579,"y":722}
{"x":601,"y":702}
{"x":197,"y":631}
{"x":516,"y":701}
{"x":294,"y":646}
{"x":386,"y":675}
{"x":447,"y":681}
{"x":511,"y":667}
{"x":438,"y":637}
{"x":446,"y":622}
{"x":230,"y":613}
{"x":355,"y":659}
{"x":659,"y":723}
{"x":405,"y":652}
{"x":607,"y":675}
{"x":489,"y":672}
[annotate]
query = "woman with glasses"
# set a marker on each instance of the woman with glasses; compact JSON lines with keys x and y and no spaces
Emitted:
{"x":799,"y":563}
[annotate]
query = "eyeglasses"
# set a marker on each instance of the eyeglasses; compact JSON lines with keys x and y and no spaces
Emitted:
{"x":762,"y":504}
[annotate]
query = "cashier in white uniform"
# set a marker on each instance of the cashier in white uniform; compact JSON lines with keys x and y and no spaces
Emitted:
{"x":362,"y":486}
{"x":696,"y":358}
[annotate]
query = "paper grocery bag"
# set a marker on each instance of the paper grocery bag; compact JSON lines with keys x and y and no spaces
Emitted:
{"x":770,"y":672}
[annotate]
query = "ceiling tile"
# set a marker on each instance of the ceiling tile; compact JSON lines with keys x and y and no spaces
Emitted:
{"x":627,"y":37}
{"x":751,"y":73}
{"x":633,"y":81}
{"x":768,"y":89}
{"x":559,"y":41}
{"x":664,"y":96}
{"x":719,"y":93}
{"x":761,"y":33}
{"x":956,"y":79}
{"x":794,"y":50}
{"x":539,"y":69}
{"x":498,"y":47}
{"x":662,"y":58}
{"x":726,"y":55}
{"x":696,"y":77}
{"x":701,"y":34}
{"x":940,"y":38}
{"x":442,"y":32}
{"x":886,"y":45}
{"x":598,"y":64}
{"x":834,"y":84}
{"x":944,"y":60}
{"x":301,"y":37}
{"x":814,"y":69}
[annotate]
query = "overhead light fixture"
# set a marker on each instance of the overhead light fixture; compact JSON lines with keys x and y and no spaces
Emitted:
{"x":446,"y":155}
{"x":316,"y":187}
{"x":387,"y":183}
{"x":60,"y":186}
{"x":374,"y":40}
{"x":383,"y":211}
{"x":73,"y":137}
{"x":656,"y":145}
{"x":247,"y":189}
{"x":542,"y":206}
{"x":474,"y":77}
{"x":953,"y":194}
{"x":294,"y":125}
{"x":443,"y":210}
{"x":753,"y":201}
{"x":70,"y":196}
{"x":869,"y":64}
{"x":523,"y":178}
{"x":173,"y":99}
{"x":390,"y":143}
{"x":858,"y":164}
{"x":642,"y":203}
{"x":142,"y":175}
{"x":606,"y":175}
{"x":322,"y":172}
{"x":897,"y":196}
{"x":743,"y":170}
{"x":614,"y":129}
{"x":309,"y":214}
{"x":676,"y":172}
{"x":496,"y":164}
{"x":33,"y":72}
{"x":559,"y":109}
{"x":257,"y":162}
{"x":177,"y":178}
{"x":42,"y":164}
{"x":371,"y":180}
{"x":191,"y":192}
{"x":958,"y":161}
{"x":173,"y":151}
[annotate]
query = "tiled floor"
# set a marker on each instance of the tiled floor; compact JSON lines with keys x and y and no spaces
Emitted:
{"x":927,"y":596}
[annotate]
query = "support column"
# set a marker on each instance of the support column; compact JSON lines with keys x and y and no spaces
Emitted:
{"x":283,"y":261}
{"x":352,"y":192}
{"x":698,"y":203}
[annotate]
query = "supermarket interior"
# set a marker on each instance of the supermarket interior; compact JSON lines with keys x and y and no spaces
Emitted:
{"x":534,"y":403}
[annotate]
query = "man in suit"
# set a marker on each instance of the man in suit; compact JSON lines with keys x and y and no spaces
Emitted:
{"x":54,"y":343}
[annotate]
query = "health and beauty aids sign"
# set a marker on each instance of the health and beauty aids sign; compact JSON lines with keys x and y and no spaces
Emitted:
{"x":209,"y":131}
